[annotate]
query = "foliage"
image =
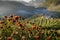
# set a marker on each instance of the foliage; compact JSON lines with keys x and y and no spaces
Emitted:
{"x":49,"y":2}
{"x":17,"y":28}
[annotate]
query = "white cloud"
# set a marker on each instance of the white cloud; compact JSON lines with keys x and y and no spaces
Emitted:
{"x":26,"y":0}
{"x":17,"y":0}
{"x":35,"y":3}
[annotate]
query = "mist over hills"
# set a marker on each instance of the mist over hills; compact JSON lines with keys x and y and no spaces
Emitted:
{"x":22,"y":9}
{"x":7,"y":7}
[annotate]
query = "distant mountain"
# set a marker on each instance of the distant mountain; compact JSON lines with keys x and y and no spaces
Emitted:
{"x":15,"y":4}
{"x":7,"y":7}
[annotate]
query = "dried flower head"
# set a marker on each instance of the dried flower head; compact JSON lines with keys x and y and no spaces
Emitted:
{"x":1,"y":26}
{"x":30,"y":31}
{"x":9,"y":19}
{"x":17,"y":23}
{"x":33,"y":27}
{"x":36,"y":37}
{"x":11,"y":15}
{"x":15,"y":32}
{"x":1,"y":21}
{"x":4,"y":16}
{"x":49,"y":38}
{"x":7,"y":26}
{"x":9,"y":38}
{"x":15,"y":17}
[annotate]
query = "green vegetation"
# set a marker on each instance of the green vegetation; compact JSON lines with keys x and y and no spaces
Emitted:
{"x":34,"y":28}
{"x":50,"y":2}
{"x":52,"y":5}
{"x":45,"y":22}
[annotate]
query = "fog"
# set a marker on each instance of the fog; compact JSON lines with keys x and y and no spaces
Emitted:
{"x":17,"y":8}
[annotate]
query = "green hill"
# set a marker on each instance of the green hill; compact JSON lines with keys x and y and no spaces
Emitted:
{"x":45,"y":22}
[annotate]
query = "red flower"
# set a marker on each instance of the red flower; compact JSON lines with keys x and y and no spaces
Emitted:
{"x":42,"y":32}
{"x":21,"y":25}
{"x":1,"y":21}
{"x":30,"y":31}
{"x":9,"y":38}
{"x":1,"y":26}
{"x":17,"y":23}
{"x":22,"y":18}
{"x":36,"y":37}
{"x":16,"y":17}
{"x":49,"y":38}
{"x":9,"y":19}
{"x":23,"y":28}
{"x":33,"y":27}
{"x":12,"y":21}
{"x":7,"y":26}
{"x":39,"y":29}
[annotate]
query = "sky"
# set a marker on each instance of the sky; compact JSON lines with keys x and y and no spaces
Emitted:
{"x":22,"y":0}
{"x":35,"y":3}
{"x":18,"y":0}
{"x":6,"y":8}
{"x":25,"y":0}
{"x":15,"y":7}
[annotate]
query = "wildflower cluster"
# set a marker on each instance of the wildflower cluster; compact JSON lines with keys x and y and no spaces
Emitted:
{"x":16,"y":28}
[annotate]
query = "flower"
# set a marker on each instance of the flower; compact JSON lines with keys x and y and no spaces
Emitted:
{"x":15,"y":32}
{"x":11,"y":15}
{"x":19,"y":16}
{"x":23,"y":37}
{"x":42,"y":32}
{"x":36,"y":37}
{"x":7,"y":26}
{"x":21,"y":25}
{"x":33,"y":27}
{"x":1,"y":26}
{"x":22,"y":18}
{"x":23,"y":28}
{"x":37,"y":33}
{"x":17,"y":23}
{"x":30,"y":31}
{"x":9,"y":19}
{"x":1,"y":21}
{"x":9,"y":38}
{"x":39,"y":28}
{"x":16,"y":17}
{"x":49,"y":38}
{"x":12,"y":21}
{"x":4,"y":16}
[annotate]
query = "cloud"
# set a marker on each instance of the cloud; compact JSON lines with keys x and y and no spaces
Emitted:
{"x":34,"y":3}
{"x":11,"y":7}
{"x":17,"y":0}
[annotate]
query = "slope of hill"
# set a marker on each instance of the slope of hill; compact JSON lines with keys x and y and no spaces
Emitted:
{"x":44,"y":21}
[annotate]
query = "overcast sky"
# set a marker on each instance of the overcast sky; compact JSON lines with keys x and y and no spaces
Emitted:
{"x":35,"y":3}
{"x":17,"y":0}
{"x":22,"y":0}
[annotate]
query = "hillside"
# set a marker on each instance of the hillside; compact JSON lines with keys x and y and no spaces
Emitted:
{"x":45,"y":22}
{"x":55,"y":8}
